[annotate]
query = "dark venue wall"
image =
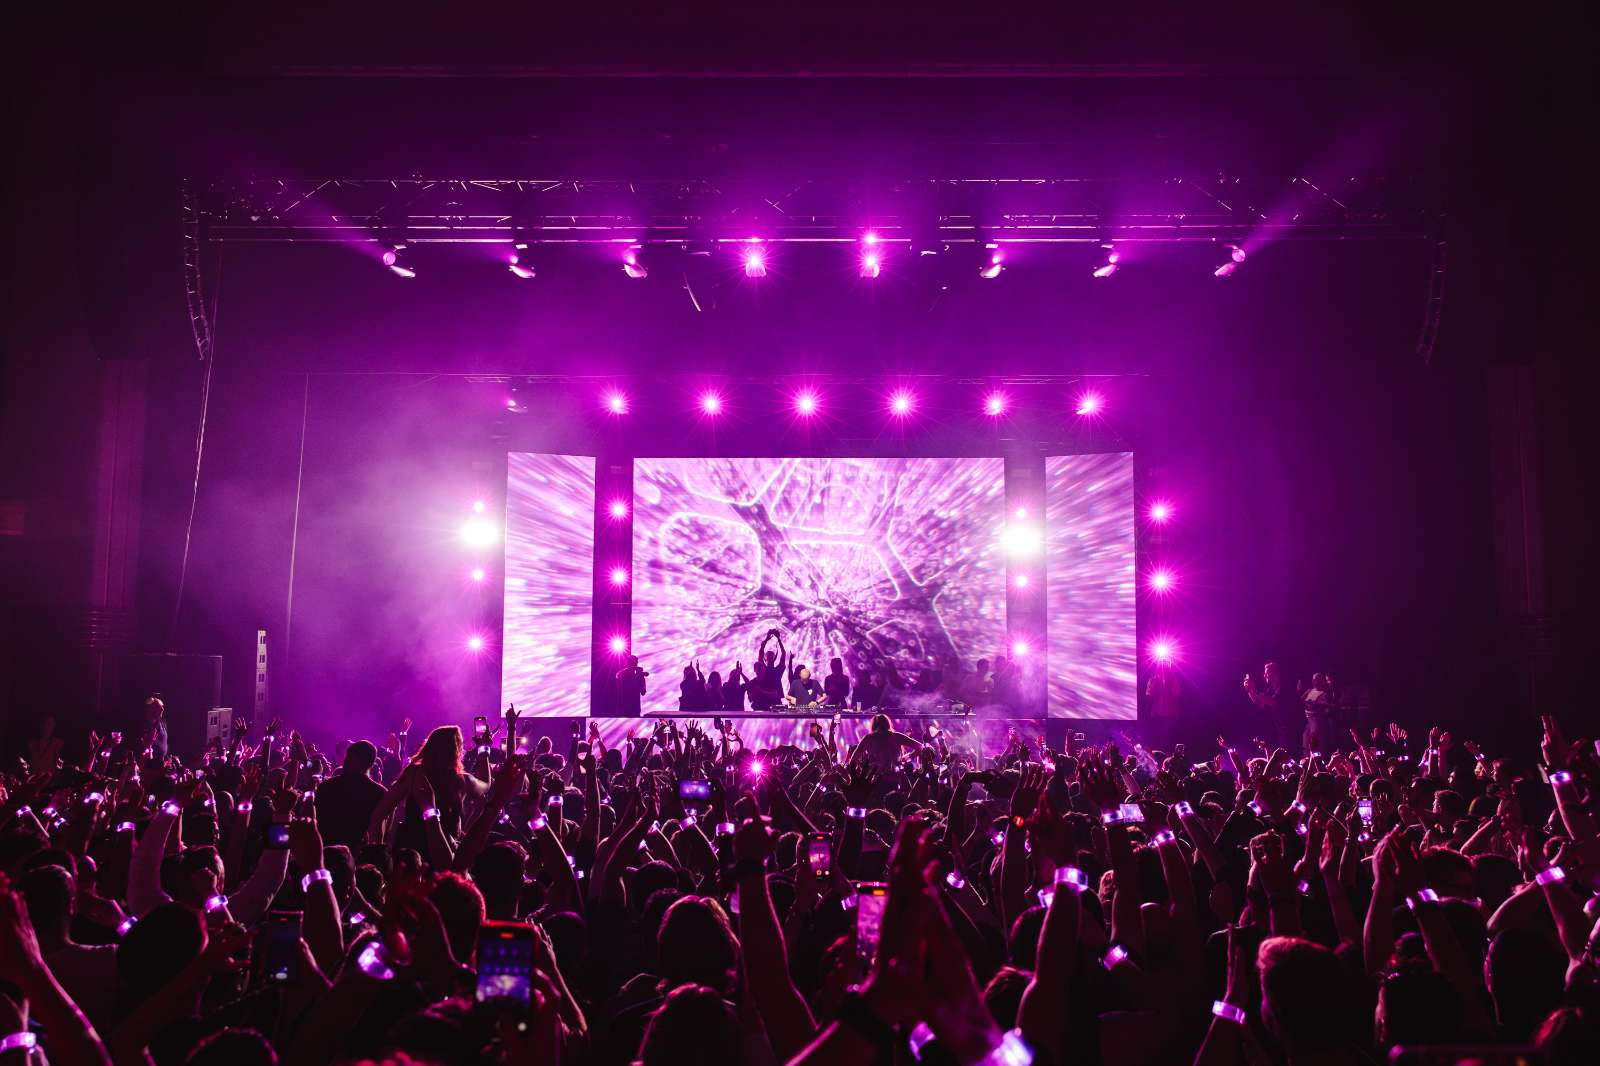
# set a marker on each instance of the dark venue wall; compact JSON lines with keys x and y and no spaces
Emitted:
{"x":1346,"y":510}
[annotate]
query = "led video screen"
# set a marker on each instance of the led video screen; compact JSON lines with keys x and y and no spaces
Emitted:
{"x":1089,"y":563}
{"x":549,"y":592}
{"x":879,"y":562}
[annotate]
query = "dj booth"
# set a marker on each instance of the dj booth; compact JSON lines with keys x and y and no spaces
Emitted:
{"x":988,"y":730}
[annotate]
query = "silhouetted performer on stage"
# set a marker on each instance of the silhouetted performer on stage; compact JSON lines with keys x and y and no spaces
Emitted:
{"x":804,"y":689}
{"x":868,"y":692}
{"x":836,"y":686}
{"x":733,"y":690}
{"x":766,"y":688}
{"x":880,"y":748}
{"x":692,"y":692}
{"x":713,"y":701}
{"x":630,"y":687}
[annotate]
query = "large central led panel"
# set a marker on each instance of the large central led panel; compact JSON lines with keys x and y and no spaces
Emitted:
{"x":1089,"y":558}
{"x":874,"y":561}
{"x":549,"y":592}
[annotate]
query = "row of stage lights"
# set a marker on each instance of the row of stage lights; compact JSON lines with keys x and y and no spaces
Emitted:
{"x":755,"y":257}
{"x":1019,"y":539}
{"x":808,"y":403}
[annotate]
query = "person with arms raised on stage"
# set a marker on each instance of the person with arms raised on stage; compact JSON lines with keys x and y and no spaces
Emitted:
{"x":766,"y":688}
{"x":692,"y":690}
{"x":733,"y":690}
{"x":1275,"y":701}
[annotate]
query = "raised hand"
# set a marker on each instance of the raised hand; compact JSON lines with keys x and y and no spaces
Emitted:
{"x":1025,"y":800}
{"x":754,"y":841}
{"x":858,"y":784}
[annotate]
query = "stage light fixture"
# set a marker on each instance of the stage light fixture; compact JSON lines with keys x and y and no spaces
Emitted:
{"x":901,"y":403}
{"x":1163,"y":651}
{"x":871,"y":263}
{"x":618,"y":644}
{"x":994,"y":405}
{"x":1019,"y":649}
{"x":516,"y":398}
{"x":475,"y":643}
{"x":618,"y":509}
{"x":1236,"y":255}
{"x":518,"y":263}
{"x":710,"y":402}
{"x":633,"y":264}
{"x":392,"y":258}
{"x":478,"y":533}
{"x":1019,"y":539}
{"x":994,"y":262}
{"x":1021,"y":581}
{"x":478,"y":573}
{"x":1160,"y":512}
{"x":1161,"y":580}
{"x":616,"y":402}
{"x":1113,"y":257}
{"x":619,"y":576}
{"x":755,"y":259}
{"x":1091,"y":403}
{"x":478,"y":507}
{"x":806,"y":403}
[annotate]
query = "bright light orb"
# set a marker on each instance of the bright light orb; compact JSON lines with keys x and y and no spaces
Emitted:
{"x":1091,"y":403}
{"x":1019,"y":649}
{"x":994,"y":405}
{"x":710,"y":403}
{"x":479,"y":533}
{"x":616,"y":403}
{"x":1021,"y":539}
{"x":475,"y":643}
{"x":478,"y":573}
{"x":619,"y":576}
{"x":1021,"y":581}
{"x":619,"y":508}
{"x":1163,"y":651}
{"x":806,"y":403}
{"x":1161,"y":580}
{"x":755,"y":263}
{"x":618,"y":645}
{"x":901,"y":403}
{"x":1160,"y":511}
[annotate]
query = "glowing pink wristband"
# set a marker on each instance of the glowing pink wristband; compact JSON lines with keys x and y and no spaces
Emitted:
{"x":244,"y":807}
{"x":127,"y":923}
{"x":171,"y":808}
{"x":1183,"y":808}
{"x":1071,"y":875}
{"x":1228,"y":1012}
{"x":125,"y":827}
{"x":24,"y":1041}
{"x":538,"y":824}
{"x":1011,"y":1051}
{"x":1427,"y":895}
{"x":216,"y":903}
{"x":855,"y":812}
{"x":1550,"y":876}
{"x":724,"y":829}
{"x":919,"y":1038}
{"x":1166,"y":836}
{"x":430,"y":813}
{"x":955,"y":880}
{"x":1116,"y":954}
{"x":325,"y":876}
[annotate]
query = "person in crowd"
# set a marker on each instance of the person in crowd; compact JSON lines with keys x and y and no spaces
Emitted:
{"x":155,"y":726}
{"x":345,"y":802}
{"x":44,"y":747}
{"x":734,"y":689}
{"x":714,"y":695}
{"x":975,"y":692}
{"x":686,"y":898}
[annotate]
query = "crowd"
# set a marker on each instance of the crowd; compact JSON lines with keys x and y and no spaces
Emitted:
{"x":684,"y":899}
